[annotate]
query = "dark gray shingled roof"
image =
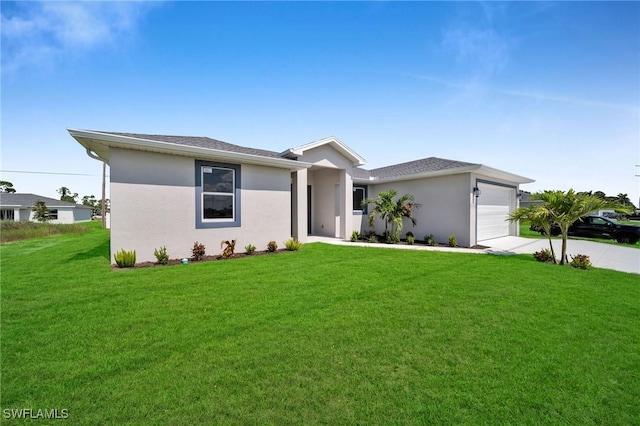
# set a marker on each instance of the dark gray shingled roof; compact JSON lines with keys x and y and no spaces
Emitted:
{"x":200,"y":142}
{"x":29,"y":200}
{"x":425,"y":165}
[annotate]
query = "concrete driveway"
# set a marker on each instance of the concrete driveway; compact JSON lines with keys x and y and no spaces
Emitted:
{"x":607,"y":256}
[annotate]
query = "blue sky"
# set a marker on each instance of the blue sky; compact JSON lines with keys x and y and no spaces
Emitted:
{"x":547,"y":90}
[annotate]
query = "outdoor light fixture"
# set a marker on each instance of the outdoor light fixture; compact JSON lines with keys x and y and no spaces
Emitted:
{"x":476,"y":191}
{"x":519,"y":195}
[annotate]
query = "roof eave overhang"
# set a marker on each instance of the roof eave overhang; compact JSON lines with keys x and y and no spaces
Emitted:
{"x":478,"y":168}
{"x":98,"y":144}
{"x":446,"y":172}
{"x":335,"y":143}
{"x":500,"y":174}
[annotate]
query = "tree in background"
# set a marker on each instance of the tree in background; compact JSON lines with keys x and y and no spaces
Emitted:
{"x":6,"y":186}
{"x":65,"y":195}
{"x":96,"y":205}
{"x":41,"y":212}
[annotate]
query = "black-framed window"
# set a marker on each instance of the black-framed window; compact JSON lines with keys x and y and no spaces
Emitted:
{"x":53,"y":214}
{"x":7,"y":214}
{"x":217,"y":194}
{"x":359,"y":195}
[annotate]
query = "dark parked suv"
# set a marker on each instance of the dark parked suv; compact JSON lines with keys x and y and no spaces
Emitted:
{"x":600,"y":227}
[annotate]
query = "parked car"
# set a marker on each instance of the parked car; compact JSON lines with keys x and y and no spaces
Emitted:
{"x":599,"y":227}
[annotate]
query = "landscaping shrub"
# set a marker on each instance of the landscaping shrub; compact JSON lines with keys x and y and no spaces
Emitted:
{"x":580,"y":261}
{"x":543,"y":255}
{"x":355,"y":236}
{"x":373,"y":238}
{"x":198,"y":251}
{"x":453,"y":241}
{"x":410,"y":239}
{"x":249,"y":249}
{"x":292,"y":244}
{"x":430,"y":240}
{"x":272,"y":246}
{"x":392,"y":238}
{"x":125,"y":259}
{"x":161,"y":255}
{"x":229,"y":248}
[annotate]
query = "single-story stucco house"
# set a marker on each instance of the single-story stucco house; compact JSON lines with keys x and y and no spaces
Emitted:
{"x":19,"y":207}
{"x":174,"y":190}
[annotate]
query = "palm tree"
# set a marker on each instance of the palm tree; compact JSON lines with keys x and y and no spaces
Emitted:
{"x":538,"y":215}
{"x":392,"y":212}
{"x":565,"y":208}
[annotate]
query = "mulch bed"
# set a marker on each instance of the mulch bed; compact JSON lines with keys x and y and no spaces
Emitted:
{"x":172,"y":262}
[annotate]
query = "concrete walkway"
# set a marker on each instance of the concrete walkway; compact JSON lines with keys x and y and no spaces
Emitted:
{"x":607,"y":256}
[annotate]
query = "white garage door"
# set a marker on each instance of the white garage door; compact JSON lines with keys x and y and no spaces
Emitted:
{"x":494,"y":205}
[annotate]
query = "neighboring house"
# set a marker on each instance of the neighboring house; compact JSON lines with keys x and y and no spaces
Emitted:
{"x":526,"y":201}
{"x":174,"y":190}
{"x":19,"y":207}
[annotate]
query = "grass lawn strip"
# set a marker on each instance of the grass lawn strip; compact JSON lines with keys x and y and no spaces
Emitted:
{"x":328,"y":334}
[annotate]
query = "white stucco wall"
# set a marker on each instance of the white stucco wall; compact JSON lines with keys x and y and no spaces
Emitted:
{"x":65,"y":215}
{"x":153,"y":205}
{"x":446,"y":207}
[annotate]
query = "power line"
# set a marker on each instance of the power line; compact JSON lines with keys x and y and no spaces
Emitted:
{"x":47,"y":173}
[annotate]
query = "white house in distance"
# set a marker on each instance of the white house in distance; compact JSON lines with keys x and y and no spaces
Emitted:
{"x":19,"y":207}
{"x":174,"y":190}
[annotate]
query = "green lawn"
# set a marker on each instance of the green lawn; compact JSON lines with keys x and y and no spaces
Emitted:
{"x":326,"y":335}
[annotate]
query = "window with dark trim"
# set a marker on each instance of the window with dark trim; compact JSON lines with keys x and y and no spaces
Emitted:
{"x":6,"y":214}
{"x":217,"y":194}
{"x":53,"y":214}
{"x":359,"y":195}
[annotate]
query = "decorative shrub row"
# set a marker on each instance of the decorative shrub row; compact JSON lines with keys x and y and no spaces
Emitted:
{"x":127,"y":259}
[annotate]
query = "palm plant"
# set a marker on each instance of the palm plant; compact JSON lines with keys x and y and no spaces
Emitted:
{"x":539,"y":216}
{"x":561,"y":209}
{"x":392,"y":212}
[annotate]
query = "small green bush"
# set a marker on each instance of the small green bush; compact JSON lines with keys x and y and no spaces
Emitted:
{"x":355,"y":236}
{"x":292,"y":244}
{"x":543,"y":255}
{"x":410,"y":239}
{"x":430,"y":240}
{"x":373,"y":238}
{"x":249,"y":249}
{"x":272,"y":246}
{"x":161,"y":255}
{"x":453,"y":241}
{"x":392,"y":238}
{"x":198,"y":251}
{"x":125,"y":259}
{"x":580,"y":261}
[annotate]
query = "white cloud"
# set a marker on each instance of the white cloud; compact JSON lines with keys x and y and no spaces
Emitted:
{"x":485,"y":50}
{"x":40,"y":33}
{"x":539,"y":96}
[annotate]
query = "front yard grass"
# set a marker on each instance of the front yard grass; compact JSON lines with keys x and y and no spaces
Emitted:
{"x":326,"y":335}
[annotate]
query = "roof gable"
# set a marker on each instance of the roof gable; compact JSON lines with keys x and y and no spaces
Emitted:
{"x":332,"y":141}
